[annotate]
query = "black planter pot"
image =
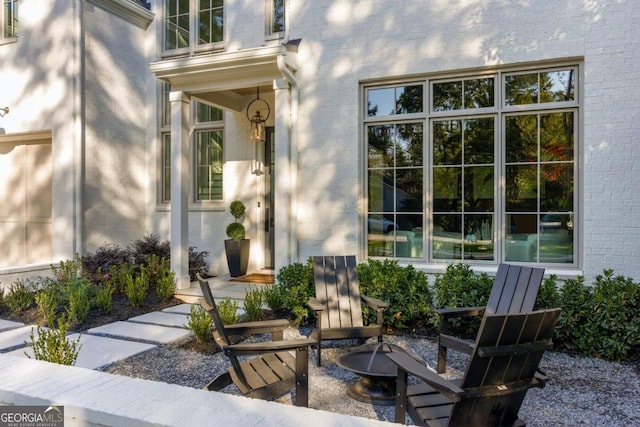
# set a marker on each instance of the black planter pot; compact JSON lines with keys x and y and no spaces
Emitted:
{"x":237,"y":256}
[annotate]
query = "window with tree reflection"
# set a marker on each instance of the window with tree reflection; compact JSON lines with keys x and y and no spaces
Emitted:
{"x":490,"y":181}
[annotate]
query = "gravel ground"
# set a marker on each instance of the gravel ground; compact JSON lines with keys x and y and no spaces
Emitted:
{"x":580,"y":392}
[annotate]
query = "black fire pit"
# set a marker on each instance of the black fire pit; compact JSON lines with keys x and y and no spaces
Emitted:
{"x":378,"y":383}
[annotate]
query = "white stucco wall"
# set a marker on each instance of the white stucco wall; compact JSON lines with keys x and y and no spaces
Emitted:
{"x":38,"y":83}
{"x":117,"y":107}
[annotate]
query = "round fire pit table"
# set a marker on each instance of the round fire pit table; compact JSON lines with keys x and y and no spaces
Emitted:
{"x":378,"y":383}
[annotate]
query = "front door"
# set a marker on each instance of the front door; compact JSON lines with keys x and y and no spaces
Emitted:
{"x":269,"y":206}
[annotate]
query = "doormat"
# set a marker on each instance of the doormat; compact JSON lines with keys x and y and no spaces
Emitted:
{"x":255,"y":278}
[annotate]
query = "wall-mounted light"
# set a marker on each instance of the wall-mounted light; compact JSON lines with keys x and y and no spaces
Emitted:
{"x":255,"y":111}
{"x":4,"y":111}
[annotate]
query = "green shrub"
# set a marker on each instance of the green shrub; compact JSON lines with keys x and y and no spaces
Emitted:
{"x":548,"y":295}
{"x":118,"y":277}
{"x":166,"y":285}
{"x":78,"y":300}
{"x":69,"y":269}
{"x":295,"y":282}
{"x":404,"y":288}
{"x":576,"y":300}
{"x":236,"y":230}
{"x":48,"y":299}
{"x":274,"y":297}
{"x":154,"y":267}
{"x":602,"y":320}
{"x":136,"y":288}
{"x":253,"y":301}
{"x":52,"y":345}
{"x":199,"y":323}
{"x":228,"y":311}
{"x":104,"y":299}
{"x":20,"y":296}
{"x":459,"y":286}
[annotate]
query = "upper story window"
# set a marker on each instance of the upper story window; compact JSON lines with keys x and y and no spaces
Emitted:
{"x":193,"y":25}
{"x":276,"y":14}
{"x":9,"y":20}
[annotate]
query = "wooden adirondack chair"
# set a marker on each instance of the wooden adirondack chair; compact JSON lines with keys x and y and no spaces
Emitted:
{"x":503,"y":366}
{"x":280,"y":366}
{"x":514,"y":290}
{"x":338,"y":302}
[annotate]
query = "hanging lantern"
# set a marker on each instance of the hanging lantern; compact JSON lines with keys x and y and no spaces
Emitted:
{"x":255,"y":111}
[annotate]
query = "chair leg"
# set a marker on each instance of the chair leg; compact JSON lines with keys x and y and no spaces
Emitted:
{"x":318,"y":352}
{"x":442,"y":359}
{"x":302,"y":376}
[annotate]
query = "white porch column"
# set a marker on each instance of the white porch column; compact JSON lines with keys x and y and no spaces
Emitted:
{"x":285,"y":186}
{"x":180,"y":187}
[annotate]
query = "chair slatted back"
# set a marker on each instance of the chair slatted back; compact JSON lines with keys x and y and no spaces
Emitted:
{"x":514,"y":290}
{"x":502,"y":367}
{"x":219,"y":333}
{"x":337,"y":286}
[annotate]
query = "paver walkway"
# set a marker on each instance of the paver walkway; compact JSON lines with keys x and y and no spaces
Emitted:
{"x":109,"y":343}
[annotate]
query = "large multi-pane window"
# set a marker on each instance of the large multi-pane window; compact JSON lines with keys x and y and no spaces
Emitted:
{"x":207,"y":151}
{"x":9,"y":20}
{"x":193,"y":24}
{"x":480,"y":168}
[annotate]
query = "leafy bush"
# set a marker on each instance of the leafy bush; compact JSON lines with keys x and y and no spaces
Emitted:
{"x":197,"y":263}
{"x":404,"y":288}
{"x":253,"y":301}
{"x":79,"y":300}
{"x":274,"y":297}
{"x":48,"y":298}
{"x":548,"y":295}
{"x":104,"y":259}
{"x":69,"y":269}
{"x":166,"y":285}
{"x":104,"y":299}
{"x":602,"y":320}
{"x":20,"y":296}
{"x":150,"y":244}
{"x":199,"y":323}
{"x":136,"y":288}
{"x":228,"y":311}
{"x":52,"y":345}
{"x":296,"y":284}
{"x":459,"y":286}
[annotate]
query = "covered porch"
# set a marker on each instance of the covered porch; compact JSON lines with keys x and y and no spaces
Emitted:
{"x":230,"y":80}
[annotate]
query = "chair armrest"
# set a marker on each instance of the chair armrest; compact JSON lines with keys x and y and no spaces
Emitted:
{"x":459,"y":311}
{"x":315,"y":304}
{"x":252,"y":328}
{"x":266,"y":347}
{"x":414,"y":368}
{"x":374,"y":303}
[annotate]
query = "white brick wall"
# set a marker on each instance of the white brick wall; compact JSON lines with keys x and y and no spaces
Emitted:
{"x":346,"y":42}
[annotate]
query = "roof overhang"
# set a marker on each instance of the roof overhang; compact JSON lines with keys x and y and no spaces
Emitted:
{"x":220,"y":77}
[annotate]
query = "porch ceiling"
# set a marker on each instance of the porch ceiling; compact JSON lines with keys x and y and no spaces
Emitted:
{"x":226,"y":79}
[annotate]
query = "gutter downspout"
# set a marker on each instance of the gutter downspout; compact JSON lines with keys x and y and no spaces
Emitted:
{"x":78,"y":131}
{"x":293,"y":158}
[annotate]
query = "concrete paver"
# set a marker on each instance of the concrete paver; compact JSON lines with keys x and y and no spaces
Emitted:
{"x":97,"y":351}
{"x":175,"y":320}
{"x":5,"y":325}
{"x":178,"y":309}
{"x":15,"y":338}
{"x":141,"y":332}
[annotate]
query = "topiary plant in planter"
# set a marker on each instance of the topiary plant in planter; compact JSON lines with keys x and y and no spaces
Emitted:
{"x":237,"y":247}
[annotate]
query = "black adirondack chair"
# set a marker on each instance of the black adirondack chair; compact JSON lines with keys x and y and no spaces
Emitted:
{"x":280,"y":365}
{"x":503,"y":366}
{"x":514,"y":290}
{"x":338,"y":302}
